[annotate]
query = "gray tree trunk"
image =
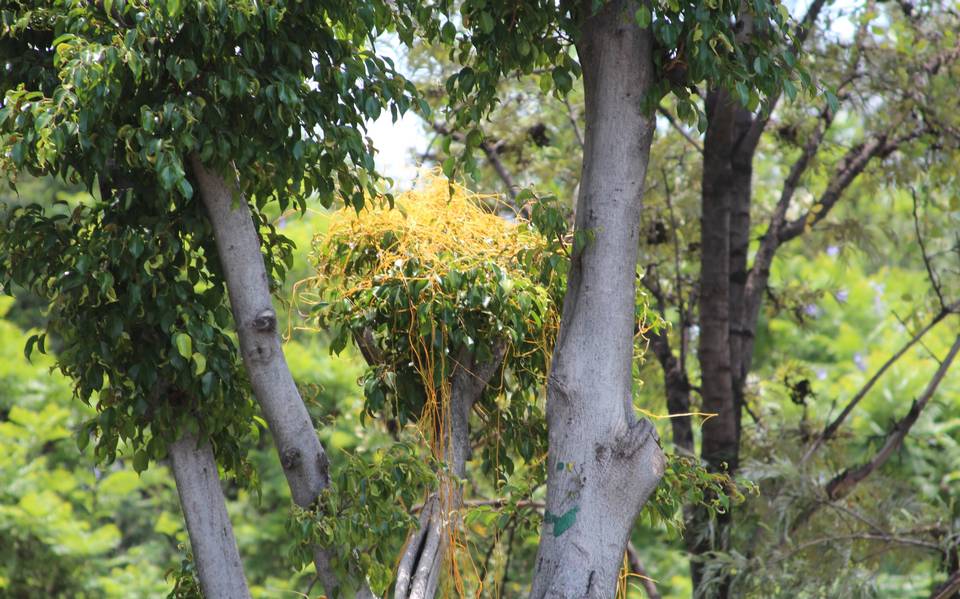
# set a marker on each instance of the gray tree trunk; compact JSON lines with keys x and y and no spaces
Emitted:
{"x":211,"y":535}
{"x":422,"y":561}
{"x":603,"y":463}
{"x":304,"y":462}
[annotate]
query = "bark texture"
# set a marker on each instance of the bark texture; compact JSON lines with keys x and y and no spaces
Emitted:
{"x":211,"y":534}
{"x":304,"y":462}
{"x":724,"y":237}
{"x":603,"y":463}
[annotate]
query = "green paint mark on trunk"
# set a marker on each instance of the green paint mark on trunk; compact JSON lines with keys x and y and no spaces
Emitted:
{"x":561,"y":523}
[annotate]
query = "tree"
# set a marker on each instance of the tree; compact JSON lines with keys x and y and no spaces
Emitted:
{"x":142,"y":103}
{"x":845,"y":133}
{"x":149,"y":103}
{"x":614,"y":460}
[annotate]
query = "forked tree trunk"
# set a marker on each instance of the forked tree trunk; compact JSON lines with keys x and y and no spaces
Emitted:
{"x":304,"y":462}
{"x":424,"y":555}
{"x":211,"y":535}
{"x":603,"y":463}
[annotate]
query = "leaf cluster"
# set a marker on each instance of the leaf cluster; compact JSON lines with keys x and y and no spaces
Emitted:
{"x":139,"y":313}
{"x":367,"y":517}
{"x":277,"y":92}
{"x":687,"y":483}
{"x":439,"y":283}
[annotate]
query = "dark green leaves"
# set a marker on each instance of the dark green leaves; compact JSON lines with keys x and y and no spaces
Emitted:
{"x":138,"y":337}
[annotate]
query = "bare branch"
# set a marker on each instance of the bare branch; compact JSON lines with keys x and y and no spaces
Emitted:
{"x":368,"y":347}
{"x":948,"y":588}
{"x":885,"y":538}
{"x":492,"y":152}
{"x":678,"y":281}
{"x":571,"y":114}
{"x":752,"y":137}
{"x":831,"y":428}
{"x":934,"y":281}
{"x":498,"y":502}
{"x":636,"y":567}
{"x":844,"y":482}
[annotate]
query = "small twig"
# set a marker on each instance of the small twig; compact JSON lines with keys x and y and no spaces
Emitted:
{"x":831,"y":428}
{"x":498,"y":502}
{"x":922,"y":344}
{"x":934,"y":281}
{"x":948,"y":588}
{"x":843,"y":483}
{"x":681,"y":310}
{"x":573,"y":121}
{"x":313,"y":582}
{"x":887,"y":538}
{"x":506,"y":565}
{"x":673,"y":123}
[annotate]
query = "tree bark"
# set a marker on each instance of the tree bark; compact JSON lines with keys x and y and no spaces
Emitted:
{"x":602,"y":463}
{"x":303,"y":459}
{"x":720,"y":441}
{"x":204,"y":509}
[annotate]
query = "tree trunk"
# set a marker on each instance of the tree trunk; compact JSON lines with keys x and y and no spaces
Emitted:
{"x":720,"y":444}
{"x":421,"y":564}
{"x":211,"y":535}
{"x":677,"y":388}
{"x":603,"y":463}
{"x":304,"y":462}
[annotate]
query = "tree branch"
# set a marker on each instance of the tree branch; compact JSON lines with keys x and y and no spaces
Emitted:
{"x":949,"y":588}
{"x":673,"y":123}
{"x":573,"y":122}
{"x":492,"y":152}
{"x":854,"y":162}
{"x":934,"y":281}
{"x":748,"y":144}
{"x":844,"y":482}
{"x":633,"y":559}
{"x":831,"y":428}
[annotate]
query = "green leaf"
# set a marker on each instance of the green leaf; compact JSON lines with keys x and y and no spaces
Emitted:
{"x":486,"y":22}
{"x":790,"y":89}
{"x":29,"y":347}
{"x":140,"y":461}
{"x":448,"y":167}
{"x":644,"y":17}
{"x":449,"y":32}
{"x":832,"y":101}
{"x":184,"y":345}
{"x":562,"y":80}
{"x":474,"y":138}
{"x":200,"y":363}
{"x":372,"y":108}
{"x":184,"y":187}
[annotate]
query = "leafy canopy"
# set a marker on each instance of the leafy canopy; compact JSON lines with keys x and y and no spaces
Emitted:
{"x":116,"y":96}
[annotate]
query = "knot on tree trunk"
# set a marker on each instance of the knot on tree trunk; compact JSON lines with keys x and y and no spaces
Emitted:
{"x":265,"y":321}
{"x":636,"y":436}
{"x":290,"y":458}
